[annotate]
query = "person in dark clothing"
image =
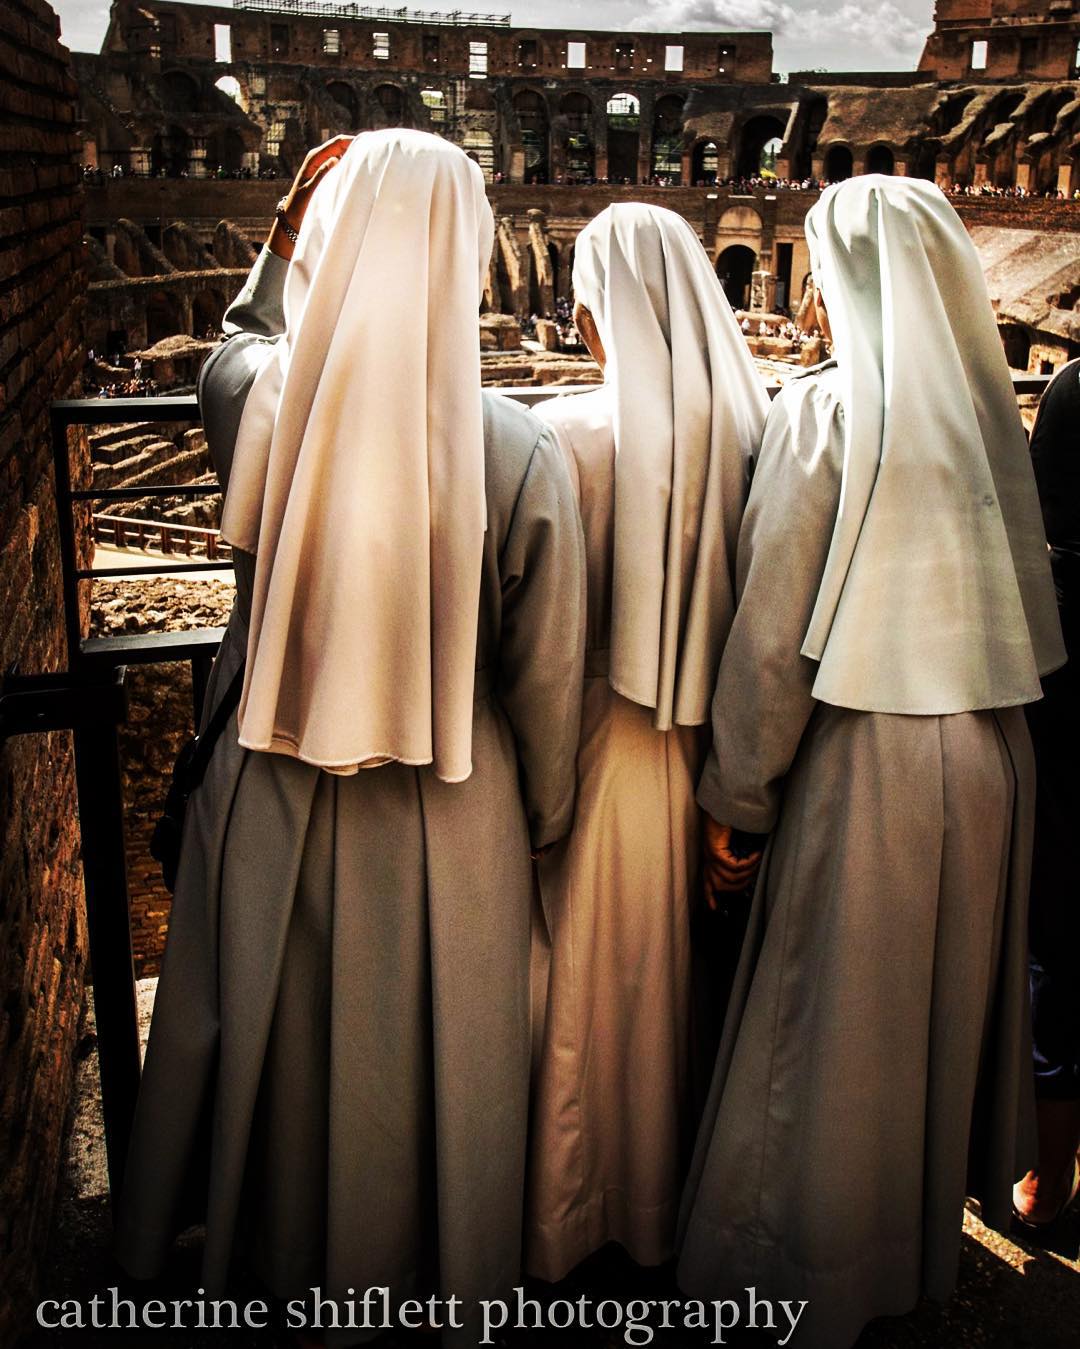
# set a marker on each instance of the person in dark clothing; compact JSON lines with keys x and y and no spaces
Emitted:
{"x":1044,"y":1194}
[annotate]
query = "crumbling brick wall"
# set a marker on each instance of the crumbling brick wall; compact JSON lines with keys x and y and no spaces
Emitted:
{"x":42,"y":934}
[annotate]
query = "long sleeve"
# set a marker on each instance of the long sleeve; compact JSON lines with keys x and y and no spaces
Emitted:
{"x":252,"y":324}
{"x":542,"y":640}
{"x":763,"y":697}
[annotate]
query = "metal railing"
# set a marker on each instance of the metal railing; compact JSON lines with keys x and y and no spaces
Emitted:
{"x":329,"y":9}
{"x":89,"y":699}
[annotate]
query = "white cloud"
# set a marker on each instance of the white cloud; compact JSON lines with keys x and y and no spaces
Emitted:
{"x":880,"y":27}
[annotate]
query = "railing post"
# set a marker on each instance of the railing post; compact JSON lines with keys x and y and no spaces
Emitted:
{"x":101,"y":825}
{"x":65,"y":517}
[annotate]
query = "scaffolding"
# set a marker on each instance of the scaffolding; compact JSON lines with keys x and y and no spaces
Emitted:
{"x":327,"y":9}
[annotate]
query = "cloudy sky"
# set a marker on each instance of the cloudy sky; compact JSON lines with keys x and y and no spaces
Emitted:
{"x":807,"y":34}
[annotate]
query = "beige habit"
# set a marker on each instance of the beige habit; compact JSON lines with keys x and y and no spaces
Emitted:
{"x":660,"y":455}
{"x":337,"y":1075}
{"x":894,"y":607}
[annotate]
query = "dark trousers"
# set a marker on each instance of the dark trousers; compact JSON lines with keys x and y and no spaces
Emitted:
{"x":1055,"y":890}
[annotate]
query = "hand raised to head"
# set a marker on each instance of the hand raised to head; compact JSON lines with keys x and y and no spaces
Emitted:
{"x":291,"y":208}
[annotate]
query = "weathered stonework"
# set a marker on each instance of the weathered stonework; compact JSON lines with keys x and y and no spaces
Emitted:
{"x":42,"y":928}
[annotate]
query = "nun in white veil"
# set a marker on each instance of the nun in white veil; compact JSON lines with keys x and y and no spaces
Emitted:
{"x":660,"y":455}
{"x":895,"y":613}
{"x":337,"y":1074}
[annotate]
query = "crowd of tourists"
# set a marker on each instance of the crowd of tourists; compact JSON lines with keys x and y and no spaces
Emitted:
{"x":116,"y":378}
{"x":617,"y":821}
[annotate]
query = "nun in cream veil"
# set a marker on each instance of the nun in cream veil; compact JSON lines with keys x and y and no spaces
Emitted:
{"x":660,"y":454}
{"x":338,"y":1068}
{"x":895,"y":614}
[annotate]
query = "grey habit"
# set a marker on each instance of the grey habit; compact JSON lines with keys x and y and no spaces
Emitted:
{"x":874,"y":1067}
{"x":338,"y":1067}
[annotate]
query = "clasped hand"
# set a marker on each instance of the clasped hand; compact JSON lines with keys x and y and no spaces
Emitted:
{"x":725,"y":871}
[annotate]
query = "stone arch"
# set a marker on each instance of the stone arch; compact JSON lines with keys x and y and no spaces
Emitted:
{"x":667,"y":137}
{"x":434,"y":100}
{"x":735,"y":268}
{"x":880,"y":159}
{"x":225,"y":150}
{"x":1017,"y":343}
{"x":704,"y":162}
{"x":949,"y":112}
{"x":388,"y":105}
{"x":739,"y":220}
{"x":231,"y":87}
{"x":623,"y":136}
{"x":164,"y":316}
{"x":1045,"y":113}
{"x":579,"y":155}
{"x":753,"y":137}
{"x":345,"y":97}
{"x":182,"y":92}
{"x":170,"y":152}
{"x":839,"y":162}
{"x":532,"y":114}
{"x":207,"y":309}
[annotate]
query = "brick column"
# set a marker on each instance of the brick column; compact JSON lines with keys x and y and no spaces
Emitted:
{"x":42,"y":928}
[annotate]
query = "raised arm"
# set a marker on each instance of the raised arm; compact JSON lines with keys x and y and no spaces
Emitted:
{"x":542,"y":644}
{"x":255,"y":319}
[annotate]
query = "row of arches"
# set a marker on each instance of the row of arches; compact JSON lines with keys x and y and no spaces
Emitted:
{"x":839,"y":162}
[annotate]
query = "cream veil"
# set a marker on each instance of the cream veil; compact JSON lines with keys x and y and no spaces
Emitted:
{"x":689,"y":407}
{"x":936,"y":595}
{"x":358,"y":478}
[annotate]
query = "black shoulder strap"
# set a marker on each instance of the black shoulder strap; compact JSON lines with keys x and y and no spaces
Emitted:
{"x":204,"y":744}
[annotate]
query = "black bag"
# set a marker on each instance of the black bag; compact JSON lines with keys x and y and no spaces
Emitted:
{"x":188,"y":771}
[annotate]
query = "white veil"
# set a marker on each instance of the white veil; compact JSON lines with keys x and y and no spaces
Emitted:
{"x":936,"y":595}
{"x":358,"y":477}
{"x":689,"y":409}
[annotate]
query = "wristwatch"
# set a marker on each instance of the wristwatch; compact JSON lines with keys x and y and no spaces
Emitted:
{"x":283,"y":221}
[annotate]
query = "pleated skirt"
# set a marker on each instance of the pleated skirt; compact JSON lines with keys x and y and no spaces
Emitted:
{"x":875,"y":1065}
{"x":338,"y":1067}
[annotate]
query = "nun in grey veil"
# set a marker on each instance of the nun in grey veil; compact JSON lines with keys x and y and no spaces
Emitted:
{"x":895,"y":612}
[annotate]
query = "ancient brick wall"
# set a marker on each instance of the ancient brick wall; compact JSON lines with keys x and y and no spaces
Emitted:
{"x":42,"y":933}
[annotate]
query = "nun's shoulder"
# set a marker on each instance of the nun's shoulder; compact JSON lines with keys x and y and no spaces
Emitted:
{"x":812,"y":392}
{"x":576,"y":415}
{"x":511,"y":436}
{"x":807,"y":416}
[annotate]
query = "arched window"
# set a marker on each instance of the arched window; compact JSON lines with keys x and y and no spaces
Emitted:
{"x":880,"y":159}
{"x":230,"y":87}
{"x":839,"y":164}
{"x":758,"y":134}
{"x":391,"y":105}
{"x":735,"y":268}
{"x":345,"y":97}
{"x":625,"y":107}
{"x":435,"y":102}
{"x":668,"y":138}
{"x":704,"y":164}
{"x":532,"y":117}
